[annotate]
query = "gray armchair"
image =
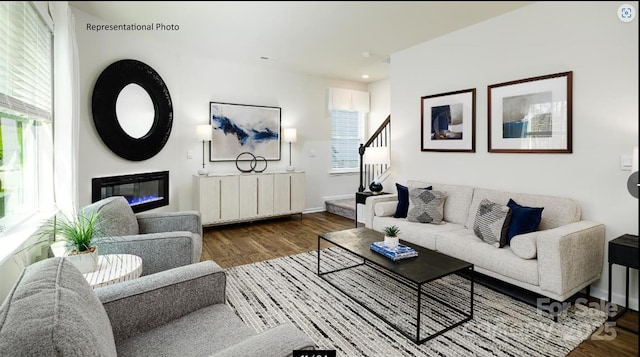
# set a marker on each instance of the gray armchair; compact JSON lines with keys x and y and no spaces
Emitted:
{"x":52,"y":311}
{"x":162,"y":240}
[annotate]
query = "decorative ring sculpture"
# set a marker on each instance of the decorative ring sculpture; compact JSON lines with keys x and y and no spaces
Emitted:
{"x":265,"y":164}
{"x":254,"y":162}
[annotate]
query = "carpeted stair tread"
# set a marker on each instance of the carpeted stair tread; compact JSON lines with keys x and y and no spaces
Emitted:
{"x":344,"y":207}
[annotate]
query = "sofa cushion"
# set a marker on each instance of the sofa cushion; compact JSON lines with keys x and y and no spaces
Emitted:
{"x":423,"y":235}
{"x":200,"y":333}
{"x":403,"y":201}
{"x":525,"y":245}
{"x":558,"y":211}
{"x":456,"y":206}
{"x":492,"y":223}
{"x":523,"y":219}
{"x":426,"y":206}
{"x":116,"y":216}
{"x":53,"y":310}
{"x":385,"y":209}
{"x":466,"y":246}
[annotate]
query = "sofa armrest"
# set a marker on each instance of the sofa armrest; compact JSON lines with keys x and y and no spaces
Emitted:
{"x":369,"y":207}
{"x":189,"y":221}
{"x":570,"y":257}
{"x":185,"y":248}
{"x":279,"y":341}
{"x":139,"y":305}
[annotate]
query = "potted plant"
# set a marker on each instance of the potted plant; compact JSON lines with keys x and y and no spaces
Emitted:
{"x":391,"y":239}
{"x":77,"y":235}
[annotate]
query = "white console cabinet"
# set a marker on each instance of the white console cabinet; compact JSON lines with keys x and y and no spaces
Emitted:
{"x":245,"y":197}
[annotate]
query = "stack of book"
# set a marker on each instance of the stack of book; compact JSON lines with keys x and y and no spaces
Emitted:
{"x":400,"y":252}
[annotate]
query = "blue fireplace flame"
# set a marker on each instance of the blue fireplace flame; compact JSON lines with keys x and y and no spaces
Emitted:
{"x":144,"y":199}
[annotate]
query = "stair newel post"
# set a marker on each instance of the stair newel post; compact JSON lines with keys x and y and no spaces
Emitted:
{"x":361,"y":152}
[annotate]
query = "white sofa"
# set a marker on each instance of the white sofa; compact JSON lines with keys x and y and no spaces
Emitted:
{"x":563,"y":257}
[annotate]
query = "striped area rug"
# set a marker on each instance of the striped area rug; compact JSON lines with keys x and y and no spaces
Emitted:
{"x":288,"y":289}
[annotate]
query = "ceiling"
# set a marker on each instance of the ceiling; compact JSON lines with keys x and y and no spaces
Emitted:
{"x":320,"y":38}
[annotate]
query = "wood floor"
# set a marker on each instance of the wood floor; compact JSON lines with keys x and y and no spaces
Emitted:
{"x":246,"y":243}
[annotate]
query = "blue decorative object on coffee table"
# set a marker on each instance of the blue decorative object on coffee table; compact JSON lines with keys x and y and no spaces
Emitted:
{"x":400,"y":252}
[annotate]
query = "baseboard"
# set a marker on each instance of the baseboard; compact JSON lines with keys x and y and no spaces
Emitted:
{"x":616,"y":298}
{"x":341,"y":197}
{"x":314,"y":210}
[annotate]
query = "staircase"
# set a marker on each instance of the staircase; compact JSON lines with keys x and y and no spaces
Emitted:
{"x":381,"y":137}
{"x":344,"y":207}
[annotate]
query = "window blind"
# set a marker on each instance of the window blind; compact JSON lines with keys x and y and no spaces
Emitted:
{"x":345,"y":139}
{"x":25,"y":61}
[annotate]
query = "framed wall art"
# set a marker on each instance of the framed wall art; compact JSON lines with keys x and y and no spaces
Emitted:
{"x":448,"y":121}
{"x":531,"y":115}
{"x":241,"y":128}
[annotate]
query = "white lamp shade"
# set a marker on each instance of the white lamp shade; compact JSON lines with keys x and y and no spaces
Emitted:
{"x":204,"y":131}
{"x":290,"y":135}
{"x":376,"y":155}
{"x":634,"y":160}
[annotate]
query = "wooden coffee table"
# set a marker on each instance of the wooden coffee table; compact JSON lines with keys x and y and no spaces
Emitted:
{"x":413,"y":272}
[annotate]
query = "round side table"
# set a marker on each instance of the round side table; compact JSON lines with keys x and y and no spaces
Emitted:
{"x":114,"y":268}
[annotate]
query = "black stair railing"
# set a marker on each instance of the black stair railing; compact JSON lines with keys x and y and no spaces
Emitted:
{"x":381,"y":137}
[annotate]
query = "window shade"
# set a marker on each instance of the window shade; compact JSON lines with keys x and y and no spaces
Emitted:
{"x":25,"y":61}
{"x":347,"y":99}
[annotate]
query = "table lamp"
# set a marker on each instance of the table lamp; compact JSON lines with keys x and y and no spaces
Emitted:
{"x":203,"y":132}
{"x":378,"y":155}
{"x":290,"y":136}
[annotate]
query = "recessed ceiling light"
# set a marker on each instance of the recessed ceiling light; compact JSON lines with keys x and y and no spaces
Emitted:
{"x":366,"y":54}
{"x":365,"y":76}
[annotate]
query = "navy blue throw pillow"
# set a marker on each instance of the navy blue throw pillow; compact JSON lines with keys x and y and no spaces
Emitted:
{"x":403,"y":201}
{"x":523,"y":219}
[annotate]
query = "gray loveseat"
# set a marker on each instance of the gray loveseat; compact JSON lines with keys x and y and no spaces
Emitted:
{"x":52,"y":311}
{"x":563,"y":257}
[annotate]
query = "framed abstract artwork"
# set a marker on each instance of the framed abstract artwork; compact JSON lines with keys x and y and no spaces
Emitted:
{"x":448,"y":121}
{"x":241,"y":128}
{"x":531,"y":115}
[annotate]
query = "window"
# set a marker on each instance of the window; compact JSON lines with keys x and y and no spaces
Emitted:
{"x":348,"y":109}
{"x":25,"y":113}
{"x":347,"y":132}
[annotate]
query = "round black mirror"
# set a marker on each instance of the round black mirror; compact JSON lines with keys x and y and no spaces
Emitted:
{"x":109,"y":105}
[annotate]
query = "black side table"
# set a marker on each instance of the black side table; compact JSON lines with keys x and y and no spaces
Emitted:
{"x":623,"y":251}
{"x":361,"y":197}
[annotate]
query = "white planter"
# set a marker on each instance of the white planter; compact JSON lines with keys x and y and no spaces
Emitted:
{"x":85,"y":262}
{"x":391,"y":242}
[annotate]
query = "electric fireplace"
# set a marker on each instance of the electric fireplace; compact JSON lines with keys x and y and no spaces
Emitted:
{"x":142,"y":191}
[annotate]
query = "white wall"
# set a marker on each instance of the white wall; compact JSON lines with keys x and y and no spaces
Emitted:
{"x":380,"y":94}
{"x":193,"y":82}
{"x":543,"y":38}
